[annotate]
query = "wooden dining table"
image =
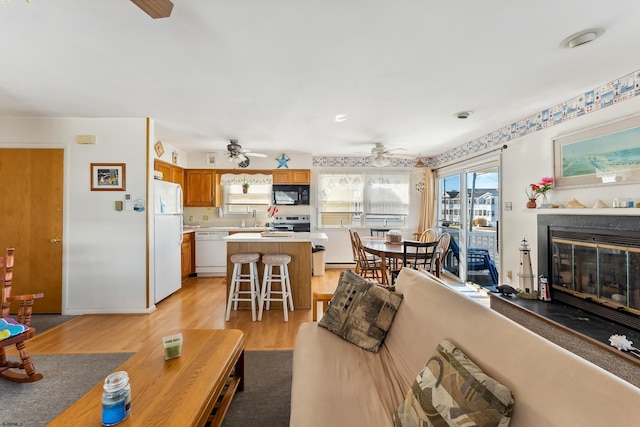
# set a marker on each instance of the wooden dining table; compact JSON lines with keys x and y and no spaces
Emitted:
{"x":385,"y":250}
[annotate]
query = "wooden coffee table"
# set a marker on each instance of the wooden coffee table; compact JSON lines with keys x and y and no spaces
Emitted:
{"x":178,"y":392}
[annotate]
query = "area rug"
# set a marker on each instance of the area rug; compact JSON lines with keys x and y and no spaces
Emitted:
{"x":44,"y":322}
{"x":66,"y":378}
{"x":266,"y":399}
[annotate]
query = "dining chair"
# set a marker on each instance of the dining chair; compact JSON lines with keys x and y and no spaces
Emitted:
{"x":428,"y":235}
{"x":18,"y":329}
{"x":370,"y":268}
{"x":417,"y":255}
{"x":444,"y":242}
{"x":378,"y":232}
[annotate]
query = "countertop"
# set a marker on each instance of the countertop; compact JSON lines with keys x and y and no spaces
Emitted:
{"x":315,"y":238}
{"x":192,"y":229}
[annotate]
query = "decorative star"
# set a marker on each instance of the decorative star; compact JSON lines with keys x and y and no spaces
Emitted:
{"x":282,"y":161}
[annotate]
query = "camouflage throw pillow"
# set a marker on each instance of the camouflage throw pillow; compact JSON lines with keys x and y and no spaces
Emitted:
{"x":360,"y":311}
{"x":451,"y":390}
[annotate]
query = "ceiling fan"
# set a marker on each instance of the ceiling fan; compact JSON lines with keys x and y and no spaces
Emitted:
{"x":155,"y":8}
{"x":238,"y":154}
{"x":380,"y":155}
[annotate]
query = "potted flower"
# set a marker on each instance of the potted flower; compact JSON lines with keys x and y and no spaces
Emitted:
{"x":245,"y":187}
{"x":535,"y":190}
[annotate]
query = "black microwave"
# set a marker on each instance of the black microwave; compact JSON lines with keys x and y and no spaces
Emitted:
{"x":291,"y":194}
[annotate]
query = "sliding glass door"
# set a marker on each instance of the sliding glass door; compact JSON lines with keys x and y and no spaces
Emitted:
{"x":471,"y":216}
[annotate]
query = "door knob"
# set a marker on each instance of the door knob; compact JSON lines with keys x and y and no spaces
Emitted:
{"x":56,"y":240}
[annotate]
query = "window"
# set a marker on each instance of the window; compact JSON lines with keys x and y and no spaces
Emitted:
{"x":238,"y":200}
{"x":363,"y":199}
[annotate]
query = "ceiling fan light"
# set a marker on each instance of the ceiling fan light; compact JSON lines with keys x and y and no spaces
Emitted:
{"x":379,"y":161}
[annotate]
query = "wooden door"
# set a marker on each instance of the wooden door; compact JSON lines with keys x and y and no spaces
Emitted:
{"x":31,"y":221}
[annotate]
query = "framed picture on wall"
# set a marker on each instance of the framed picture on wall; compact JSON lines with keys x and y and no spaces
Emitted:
{"x":108,"y":176}
{"x":607,"y":154}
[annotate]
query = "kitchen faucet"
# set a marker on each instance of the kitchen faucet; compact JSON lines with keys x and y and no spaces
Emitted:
{"x":255,"y":219}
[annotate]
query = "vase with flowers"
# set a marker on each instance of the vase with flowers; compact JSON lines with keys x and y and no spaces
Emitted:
{"x":533,"y":191}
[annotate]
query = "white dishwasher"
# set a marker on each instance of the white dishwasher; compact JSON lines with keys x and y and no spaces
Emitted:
{"x":211,"y":253}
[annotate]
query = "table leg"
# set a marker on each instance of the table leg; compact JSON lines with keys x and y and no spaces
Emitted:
{"x":240,"y":371}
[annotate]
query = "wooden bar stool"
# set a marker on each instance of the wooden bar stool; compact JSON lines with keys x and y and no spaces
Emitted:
{"x":284,"y":294}
{"x":253,"y":294}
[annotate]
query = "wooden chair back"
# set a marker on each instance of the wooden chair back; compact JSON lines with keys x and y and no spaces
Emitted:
{"x":378,"y":232}
{"x":444,"y":241}
{"x":6,"y":264}
{"x":22,"y":371}
{"x":369,"y":267}
{"x":428,"y":235}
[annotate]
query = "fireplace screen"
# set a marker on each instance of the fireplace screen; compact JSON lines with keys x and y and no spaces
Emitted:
{"x":606,"y":272}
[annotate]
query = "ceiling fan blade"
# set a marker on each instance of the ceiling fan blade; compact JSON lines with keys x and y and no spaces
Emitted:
{"x":155,"y":8}
{"x":251,"y":154}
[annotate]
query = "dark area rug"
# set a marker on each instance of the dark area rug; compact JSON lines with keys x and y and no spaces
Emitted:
{"x":266,"y":399}
{"x":43,"y":322}
{"x":66,"y":378}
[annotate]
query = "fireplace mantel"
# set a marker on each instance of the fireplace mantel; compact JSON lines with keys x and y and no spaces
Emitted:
{"x":585,"y":211}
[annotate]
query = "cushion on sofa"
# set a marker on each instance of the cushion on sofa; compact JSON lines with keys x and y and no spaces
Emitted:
{"x":451,"y":390}
{"x":360,"y":311}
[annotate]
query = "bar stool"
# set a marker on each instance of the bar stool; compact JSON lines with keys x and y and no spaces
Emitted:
{"x":235,"y":294}
{"x":284,"y":294}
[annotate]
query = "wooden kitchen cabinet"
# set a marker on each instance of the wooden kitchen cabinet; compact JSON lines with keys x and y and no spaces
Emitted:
{"x":202,"y":187}
{"x":292,"y":176}
{"x":170,"y":173}
{"x":188,"y":255}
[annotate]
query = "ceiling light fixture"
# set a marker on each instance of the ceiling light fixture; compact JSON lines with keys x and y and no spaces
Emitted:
{"x":379,"y":161}
{"x":340,"y":118}
{"x":462,"y":115}
{"x":582,"y":37}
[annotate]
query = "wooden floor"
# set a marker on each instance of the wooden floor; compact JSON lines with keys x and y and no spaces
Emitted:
{"x":199,"y":304}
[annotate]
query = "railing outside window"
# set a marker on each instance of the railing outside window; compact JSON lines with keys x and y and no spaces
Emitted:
{"x":363,"y":199}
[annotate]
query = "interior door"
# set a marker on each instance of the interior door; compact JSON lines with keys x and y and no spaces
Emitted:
{"x":31,"y":221}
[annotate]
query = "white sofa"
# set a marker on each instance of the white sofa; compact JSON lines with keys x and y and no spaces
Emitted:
{"x":336,"y":383}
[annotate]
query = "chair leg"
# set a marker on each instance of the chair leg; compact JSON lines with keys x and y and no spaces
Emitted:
{"x":6,"y":368}
{"x":288,"y":281}
{"x":232,"y":291}
{"x":263,"y":293}
{"x":252,"y":290}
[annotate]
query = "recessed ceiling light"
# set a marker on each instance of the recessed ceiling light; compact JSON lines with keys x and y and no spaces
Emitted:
{"x":583,"y":37}
{"x":462,"y":115}
{"x":341,"y":118}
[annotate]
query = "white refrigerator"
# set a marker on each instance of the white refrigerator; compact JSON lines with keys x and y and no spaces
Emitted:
{"x":167,"y":238}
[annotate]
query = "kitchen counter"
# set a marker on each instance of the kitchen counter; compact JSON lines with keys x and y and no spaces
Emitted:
{"x":297,"y":245}
{"x":315,"y":238}
{"x":191,"y":228}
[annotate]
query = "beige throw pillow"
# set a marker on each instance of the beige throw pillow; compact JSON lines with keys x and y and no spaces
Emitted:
{"x":451,"y":390}
{"x":360,"y":311}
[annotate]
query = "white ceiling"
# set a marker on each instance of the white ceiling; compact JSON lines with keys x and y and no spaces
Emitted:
{"x":275,"y":73}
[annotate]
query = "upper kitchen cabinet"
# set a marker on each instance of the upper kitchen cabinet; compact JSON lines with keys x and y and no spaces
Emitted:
{"x":170,"y":173}
{"x":202,"y":187}
{"x":292,"y":176}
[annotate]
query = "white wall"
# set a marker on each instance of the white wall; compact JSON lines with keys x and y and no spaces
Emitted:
{"x":530,"y":158}
{"x":104,"y":251}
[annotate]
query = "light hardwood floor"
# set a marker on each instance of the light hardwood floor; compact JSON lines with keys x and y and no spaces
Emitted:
{"x":200,"y":304}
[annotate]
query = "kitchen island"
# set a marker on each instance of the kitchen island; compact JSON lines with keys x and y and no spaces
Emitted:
{"x":296,"y":245}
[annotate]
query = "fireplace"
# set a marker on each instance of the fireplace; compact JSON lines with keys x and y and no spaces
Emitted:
{"x":593,"y":263}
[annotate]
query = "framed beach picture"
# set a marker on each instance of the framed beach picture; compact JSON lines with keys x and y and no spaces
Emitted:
{"x":607,"y":154}
{"x":108,"y":176}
